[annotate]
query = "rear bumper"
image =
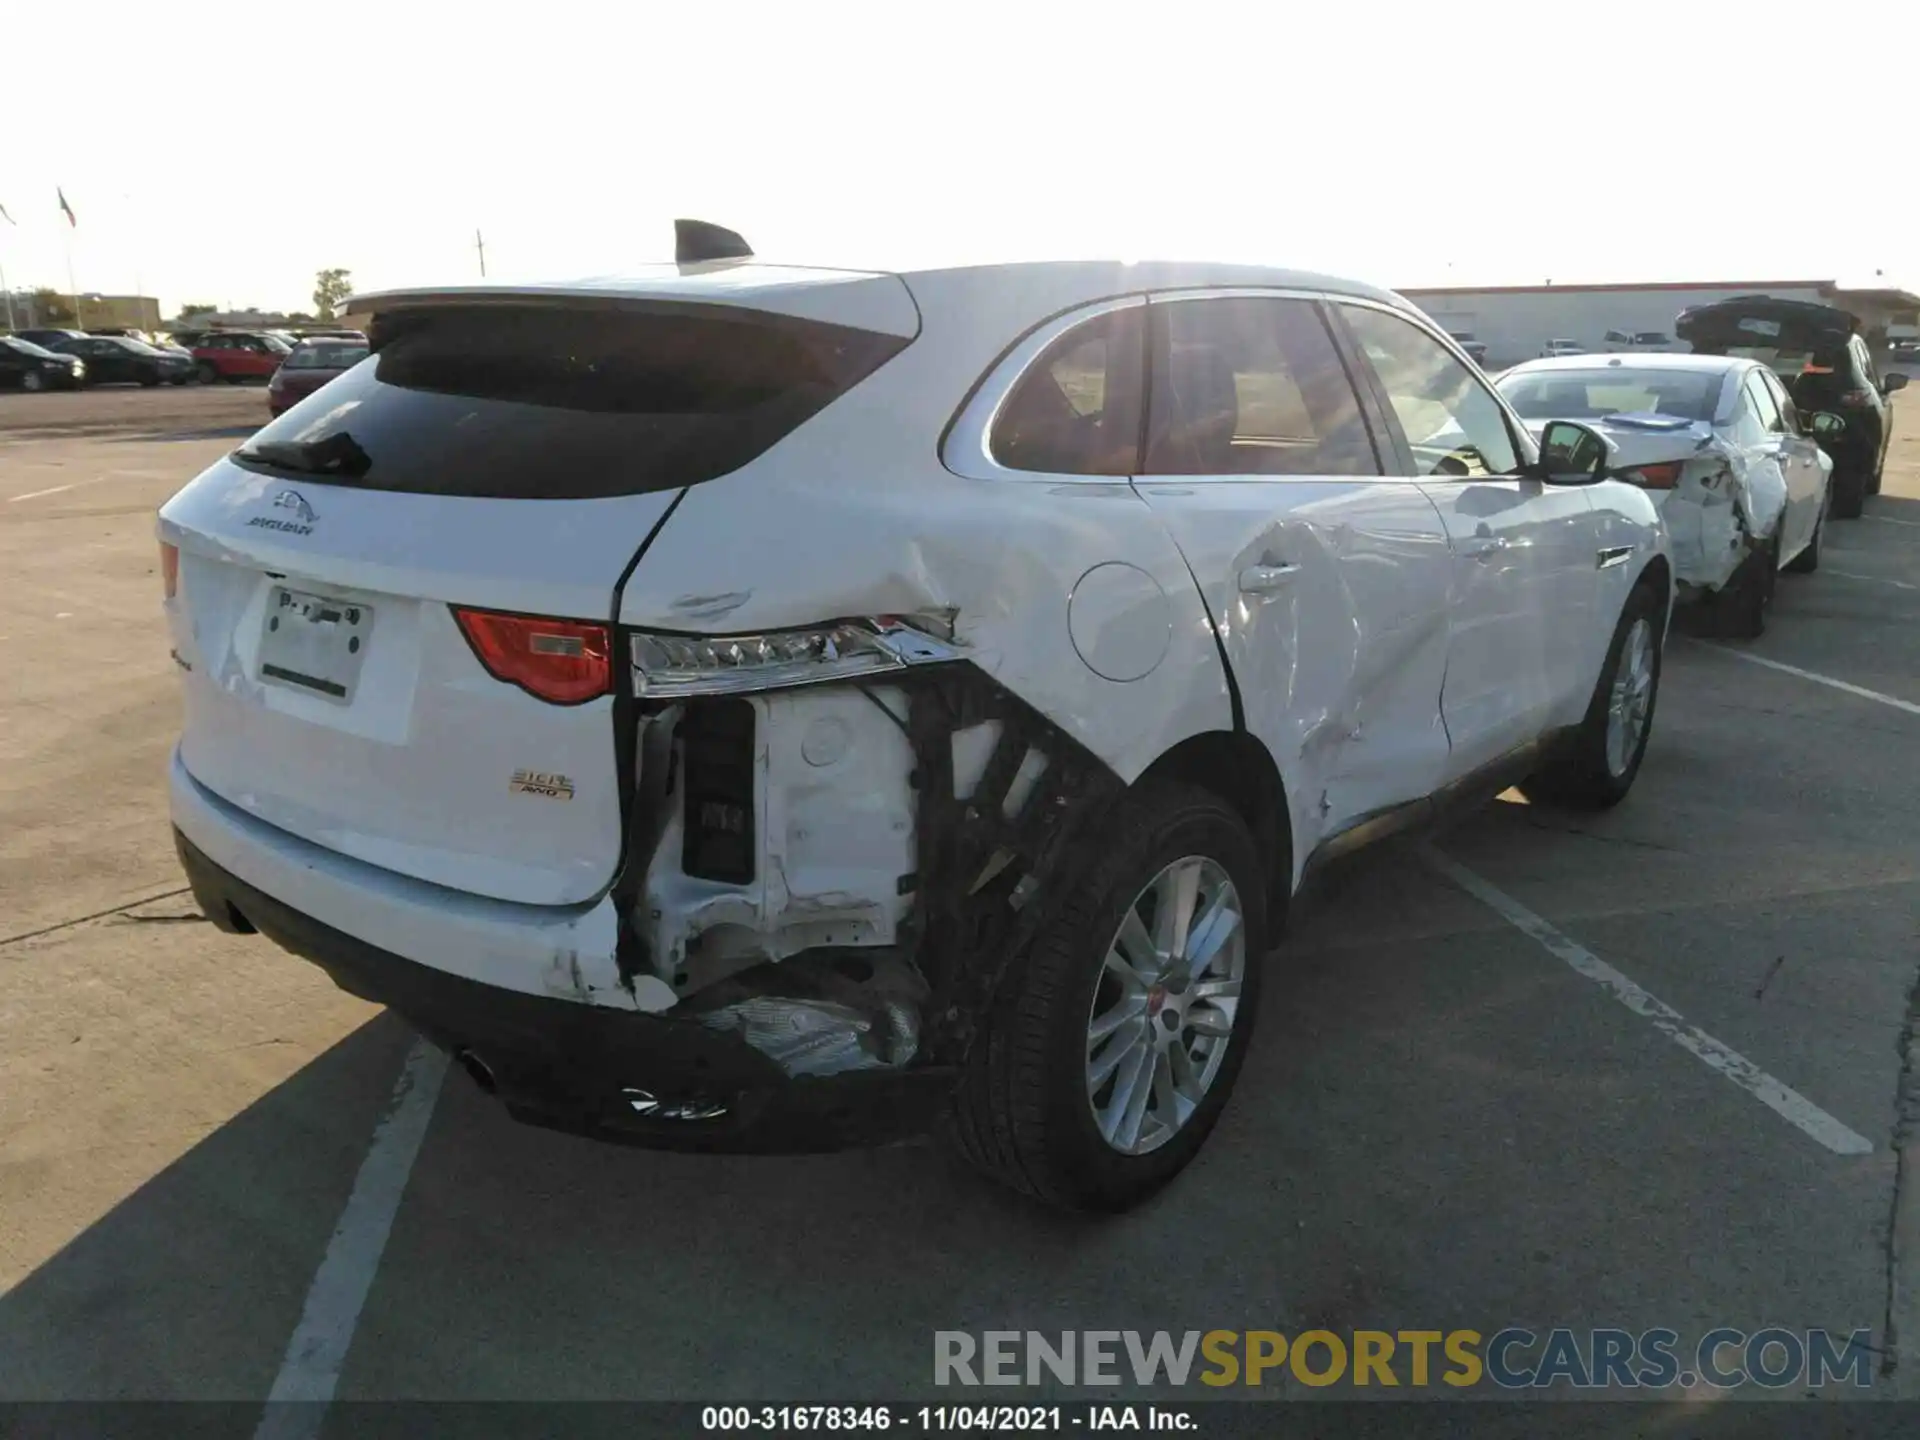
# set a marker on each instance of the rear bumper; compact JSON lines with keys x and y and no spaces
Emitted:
{"x":563,"y":1063}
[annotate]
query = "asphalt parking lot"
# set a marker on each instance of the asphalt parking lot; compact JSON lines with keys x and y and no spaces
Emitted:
{"x":1451,"y":1119}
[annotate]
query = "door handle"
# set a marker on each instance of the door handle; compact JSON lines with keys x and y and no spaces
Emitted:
{"x":1481,"y":546}
{"x":1265,"y":579}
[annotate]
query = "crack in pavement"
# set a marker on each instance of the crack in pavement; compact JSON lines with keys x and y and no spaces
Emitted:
{"x":1903,"y":1211}
{"x":96,"y":915}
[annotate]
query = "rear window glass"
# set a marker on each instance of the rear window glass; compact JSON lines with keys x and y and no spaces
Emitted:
{"x":1596,"y":394}
{"x":1076,"y":410}
{"x":326,"y":357}
{"x":529,"y":402}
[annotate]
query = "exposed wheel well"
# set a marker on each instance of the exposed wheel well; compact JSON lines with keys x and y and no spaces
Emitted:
{"x":1236,"y":767}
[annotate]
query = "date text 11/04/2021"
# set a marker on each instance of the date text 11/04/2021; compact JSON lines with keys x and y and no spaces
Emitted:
{"x":940,"y":1418}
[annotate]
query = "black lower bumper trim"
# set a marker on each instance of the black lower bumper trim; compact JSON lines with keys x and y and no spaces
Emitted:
{"x":569,"y":1066}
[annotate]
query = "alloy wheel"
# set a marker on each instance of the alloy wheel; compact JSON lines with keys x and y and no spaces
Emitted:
{"x":1164,"y":1005}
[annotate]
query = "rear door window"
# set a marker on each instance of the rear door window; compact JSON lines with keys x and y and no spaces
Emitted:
{"x":1789,"y":412}
{"x":1764,"y":405}
{"x":1252,"y":386}
{"x":1452,"y":422}
{"x":1076,"y":409}
{"x":542,"y":402}
{"x":1747,"y":427}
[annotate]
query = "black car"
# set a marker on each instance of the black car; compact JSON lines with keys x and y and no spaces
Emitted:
{"x":112,"y":360}
{"x":1817,"y":350}
{"x":47,"y":339}
{"x":27,"y":366}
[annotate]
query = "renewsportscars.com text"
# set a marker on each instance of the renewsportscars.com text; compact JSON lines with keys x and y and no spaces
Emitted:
{"x":1514,"y":1358}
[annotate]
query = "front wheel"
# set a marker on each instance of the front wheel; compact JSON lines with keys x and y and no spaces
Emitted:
{"x":31,"y":381}
{"x":1593,"y":769}
{"x":208,"y":375}
{"x":1114,"y":1044}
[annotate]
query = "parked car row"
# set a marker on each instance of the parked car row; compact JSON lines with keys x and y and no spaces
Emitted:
{"x":39,"y":359}
{"x":1777,"y":422}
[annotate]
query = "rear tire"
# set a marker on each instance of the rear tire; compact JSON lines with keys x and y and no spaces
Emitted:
{"x":205,"y":373}
{"x":1808,"y":560}
{"x":1034,"y":1110}
{"x":1595,"y":767}
{"x":32,"y":381}
{"x":1849,"y":493}
{"x":1741,"y":608}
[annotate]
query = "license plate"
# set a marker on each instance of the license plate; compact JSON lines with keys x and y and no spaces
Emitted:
{"x":314,"y":643}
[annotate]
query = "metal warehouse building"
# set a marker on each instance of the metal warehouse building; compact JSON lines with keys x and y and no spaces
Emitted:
{"x":1514,"y":322}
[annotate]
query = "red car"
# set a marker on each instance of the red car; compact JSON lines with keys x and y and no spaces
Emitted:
{"x":311,"y":364}
{"x":234,"y":357}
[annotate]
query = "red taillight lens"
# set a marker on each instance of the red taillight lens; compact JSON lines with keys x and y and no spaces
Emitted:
{"x":1856,"y":398}
{"x":1658,"y":477}
{"x":564,"y":662}
{"x":169,"y":569}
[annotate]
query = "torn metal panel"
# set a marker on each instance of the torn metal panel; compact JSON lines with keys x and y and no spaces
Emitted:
{"x":827,"y":814}
{"x":1723,"y":503}
{"x":825,"y":1013}
{"x":922,"y":824}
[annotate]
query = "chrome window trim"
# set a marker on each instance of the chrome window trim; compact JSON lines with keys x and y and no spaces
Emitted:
{"x":967,"y":451}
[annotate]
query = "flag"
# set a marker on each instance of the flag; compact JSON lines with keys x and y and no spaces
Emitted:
{"x":65,"y":207}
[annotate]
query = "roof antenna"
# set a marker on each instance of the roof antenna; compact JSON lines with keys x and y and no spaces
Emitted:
{"x":697,"y":240}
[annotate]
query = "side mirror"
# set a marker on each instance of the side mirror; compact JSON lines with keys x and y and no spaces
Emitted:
{"x":1824,"y":425}
{"x":1574,"y":454}
{"x":1893,"y":382}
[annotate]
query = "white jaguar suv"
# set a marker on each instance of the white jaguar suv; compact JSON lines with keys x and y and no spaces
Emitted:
{"x":744,"y":707}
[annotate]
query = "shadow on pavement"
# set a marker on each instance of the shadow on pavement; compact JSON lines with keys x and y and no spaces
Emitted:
{"x":190,"y":1287}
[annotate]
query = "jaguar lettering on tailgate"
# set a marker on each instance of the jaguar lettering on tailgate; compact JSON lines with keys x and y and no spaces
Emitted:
{"x":301,"y":524}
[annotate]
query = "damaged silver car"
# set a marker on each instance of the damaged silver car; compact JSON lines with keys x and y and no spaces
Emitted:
{"x":1742,"y":483}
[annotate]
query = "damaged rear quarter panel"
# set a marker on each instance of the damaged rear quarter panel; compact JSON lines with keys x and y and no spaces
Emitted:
{"x":854,"y":515}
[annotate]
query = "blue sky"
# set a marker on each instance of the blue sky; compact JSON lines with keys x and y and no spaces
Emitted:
{"x":223,"y":153}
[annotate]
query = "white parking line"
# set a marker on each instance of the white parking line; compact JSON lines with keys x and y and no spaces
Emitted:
{"x":1789,"y":1104}
{"x":1888,"y":520}
{"x":1872,"y":579}
{"x":297,"y":1404}
{"x":36,"y":494}
{"x":1816,"y":677}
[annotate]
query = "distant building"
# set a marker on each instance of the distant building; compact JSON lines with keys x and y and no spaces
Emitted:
{"x":97,"y":312}
{"x":232,"y":320}
{"x":1515,"y":322}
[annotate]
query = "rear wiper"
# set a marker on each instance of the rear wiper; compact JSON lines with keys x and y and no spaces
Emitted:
{"x":339,"y":454}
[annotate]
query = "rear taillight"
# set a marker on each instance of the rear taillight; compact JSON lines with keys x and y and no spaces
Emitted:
{"x":1658,"y":477}
{"x":564,"y":662}
{"x":169,"y":569}
{"x":1855,"y":399}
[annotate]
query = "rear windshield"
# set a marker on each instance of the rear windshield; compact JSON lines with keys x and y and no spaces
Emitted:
{"x":1596,"y":394}
{"x":531,"y":402}
{"x":327,"y":357}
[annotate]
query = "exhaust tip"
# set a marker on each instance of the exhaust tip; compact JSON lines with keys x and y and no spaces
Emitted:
{"x":477,"y":1068}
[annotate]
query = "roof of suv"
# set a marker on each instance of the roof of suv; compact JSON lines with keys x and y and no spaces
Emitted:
{"x":876,"y":299}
